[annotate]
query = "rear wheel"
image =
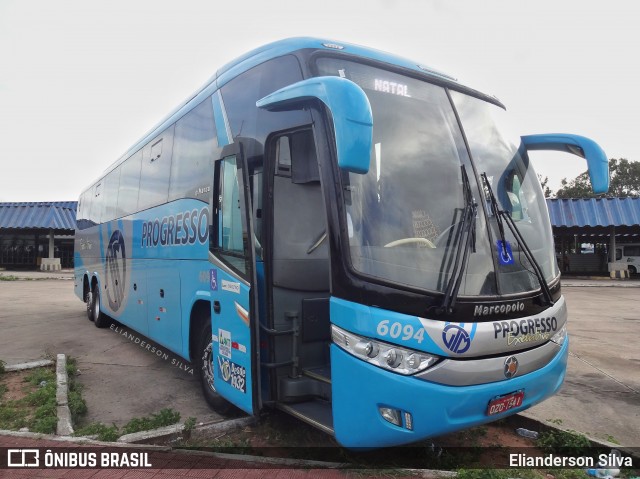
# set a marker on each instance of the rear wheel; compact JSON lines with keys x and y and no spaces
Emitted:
{"x":206,"y":369}
{"x":88,"y":300}
{"x":100,"y":319}
{"x":632,"y":271}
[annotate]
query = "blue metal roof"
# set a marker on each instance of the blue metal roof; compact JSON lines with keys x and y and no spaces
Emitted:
{"x":56,"y":215}
{"x":594,"y":212}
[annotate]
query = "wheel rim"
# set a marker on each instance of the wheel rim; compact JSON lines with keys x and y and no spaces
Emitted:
{"x":89,"y":297}
{"x":207,"y":367}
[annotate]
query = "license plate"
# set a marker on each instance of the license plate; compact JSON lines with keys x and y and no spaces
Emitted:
{"x":504,"y":403}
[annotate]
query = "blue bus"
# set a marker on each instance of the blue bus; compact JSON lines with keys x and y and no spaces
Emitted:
{"x":342,"y":234}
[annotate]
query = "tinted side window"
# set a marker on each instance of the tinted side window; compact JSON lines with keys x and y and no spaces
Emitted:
{"x":156,"y":169}
{"x":241,"y":94}
{"x":632,"y":250}
{"x":129,"y":185}
{"x":111,"y":186}
{"x":84,"y":207}
{"x":97,"y":205}
{"x":193,"y":154}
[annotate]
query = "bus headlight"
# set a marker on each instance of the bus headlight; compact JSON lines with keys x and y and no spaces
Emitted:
{"x":388,"y":356}
{"x":560,"y":336}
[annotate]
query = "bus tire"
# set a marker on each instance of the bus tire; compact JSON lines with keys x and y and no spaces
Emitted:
{"x":88,"y":300}
{"x":205,"y":368}
{"x":99,"y":318}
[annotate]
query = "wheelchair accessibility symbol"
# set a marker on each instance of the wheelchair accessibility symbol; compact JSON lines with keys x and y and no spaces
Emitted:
{"x":505,"y":255}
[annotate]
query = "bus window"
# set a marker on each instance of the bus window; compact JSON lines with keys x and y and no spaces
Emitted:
{"x":230,"y":241}
{"x":129,"y":183}
{"x":193,"y":154}
{"x":111,"y":186}
{"x":156,"y":168}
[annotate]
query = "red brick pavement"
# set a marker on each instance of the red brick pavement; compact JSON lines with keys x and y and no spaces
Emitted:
{"x":165,"y":465}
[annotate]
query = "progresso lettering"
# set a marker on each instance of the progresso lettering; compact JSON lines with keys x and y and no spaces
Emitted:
{"x":523,"y":327}
{"x":177,"y":230}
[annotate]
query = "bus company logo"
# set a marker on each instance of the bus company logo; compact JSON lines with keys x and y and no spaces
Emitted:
{"x":510,"y":367}
{"x":115,"y":271}
{"x":225,"y":369}
{"x":505,"y":308}
{"x":456,"y":338}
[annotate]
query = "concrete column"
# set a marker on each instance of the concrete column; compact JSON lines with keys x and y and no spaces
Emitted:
{"x":52,"y":245}
{"x":51,"y":263}
{"x":612,"y":245}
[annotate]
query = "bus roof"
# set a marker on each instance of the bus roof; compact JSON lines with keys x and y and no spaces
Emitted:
{"x":273,"y":50}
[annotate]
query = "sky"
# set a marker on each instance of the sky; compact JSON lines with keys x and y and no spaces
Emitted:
{"x":81,"y":80}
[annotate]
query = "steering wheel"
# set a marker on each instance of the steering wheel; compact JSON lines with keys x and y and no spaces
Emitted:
{"x":404,"y":241}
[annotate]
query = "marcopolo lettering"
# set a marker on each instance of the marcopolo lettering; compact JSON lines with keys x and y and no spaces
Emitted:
{"x":481,"y":310}
{"x":184,"y":228}
{"x":525,"y":326}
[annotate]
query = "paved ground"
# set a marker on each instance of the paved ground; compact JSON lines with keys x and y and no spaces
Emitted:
{"x":601,"y":395}
{"x":121,"y":380}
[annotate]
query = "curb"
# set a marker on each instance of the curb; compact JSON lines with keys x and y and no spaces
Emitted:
{"x":219,"y":426}
{"x":64,"y":427}
{"x":628,"y":450}
{"x":29,"y":365}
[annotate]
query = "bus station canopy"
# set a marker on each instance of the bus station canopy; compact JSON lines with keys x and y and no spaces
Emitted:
{"x":595,"y":216}
{"x":59,"y":216}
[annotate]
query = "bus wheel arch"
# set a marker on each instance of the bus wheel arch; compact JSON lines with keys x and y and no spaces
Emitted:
{"x":632,"y":270}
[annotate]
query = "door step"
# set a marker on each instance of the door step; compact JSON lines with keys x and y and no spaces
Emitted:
{"x":322,"y":373}
{"x":316,"y":412}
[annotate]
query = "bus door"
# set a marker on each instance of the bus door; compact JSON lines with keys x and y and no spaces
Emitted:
{"x":232,"y":278}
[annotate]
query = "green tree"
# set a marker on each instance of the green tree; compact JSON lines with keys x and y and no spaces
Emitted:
{"x":544,"y":183}
{"x":624,"y":181}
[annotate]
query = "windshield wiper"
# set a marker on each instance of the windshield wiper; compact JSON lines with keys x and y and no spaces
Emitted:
{"x":501,"y":215}
{"x":466,"y":240}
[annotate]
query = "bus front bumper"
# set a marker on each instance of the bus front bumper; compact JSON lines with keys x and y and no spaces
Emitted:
{"x":360,"y":389}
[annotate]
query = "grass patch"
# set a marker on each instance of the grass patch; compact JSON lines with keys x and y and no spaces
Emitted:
{"x":521,"y":473}
{"x":166,"y":417}
{"x":8,"y":277}
{"x":77,"y":405}
{"x":567,"y":443}
{"x":100,"y":431}
{"x":2,"y":363}
{"x":36,"y":407}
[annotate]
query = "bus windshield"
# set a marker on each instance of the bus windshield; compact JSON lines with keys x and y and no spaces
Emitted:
{"x":404,"y":217}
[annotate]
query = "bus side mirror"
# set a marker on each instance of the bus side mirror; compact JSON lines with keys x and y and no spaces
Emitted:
{"x":350,"y":109}
{"x":578,"y":145}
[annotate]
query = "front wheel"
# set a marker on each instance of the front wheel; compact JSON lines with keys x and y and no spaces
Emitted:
{"x":206,"y":368}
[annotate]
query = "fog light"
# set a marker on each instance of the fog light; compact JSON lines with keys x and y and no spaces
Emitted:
{"x":391,"y":415}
